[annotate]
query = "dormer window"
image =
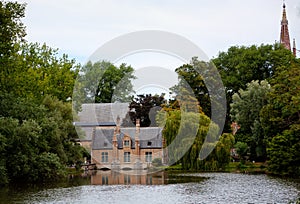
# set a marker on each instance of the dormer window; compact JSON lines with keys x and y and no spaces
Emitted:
{"x":149,"y":143}
{"x":126,"y":143}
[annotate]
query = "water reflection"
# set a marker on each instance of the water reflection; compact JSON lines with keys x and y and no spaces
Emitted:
{"x":112,"y":187}
{"x":127,"y":178}
{"x":139,"y":178}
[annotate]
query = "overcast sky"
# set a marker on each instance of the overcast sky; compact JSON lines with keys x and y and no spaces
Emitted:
{"x":79,"y":27}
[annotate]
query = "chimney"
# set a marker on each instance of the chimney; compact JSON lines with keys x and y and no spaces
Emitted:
{"x":137,"y":126}
{"x":137,"y":138}
{"x":118,"y":125}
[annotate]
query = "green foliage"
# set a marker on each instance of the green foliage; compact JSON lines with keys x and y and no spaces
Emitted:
{"x":245,"y":110}
{"x":103,"y":82}
{"x":47,"y":166}
{"x":35,"y":71}
{"x":184,"y":144}
{"x":284,"y":153}
{"x":37,"y":146}
{"x":145,"y":108}
{"x":240,"y":65}
{"x":12,"y":29}
{"x":242,"y":149}
{"x":190,"y":78}
{"x":36,"y":130}
{"x":281,"y":121}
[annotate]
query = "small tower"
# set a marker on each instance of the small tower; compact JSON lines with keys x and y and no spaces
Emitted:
{"x":284,"y":35}
{"x":294,"y":48}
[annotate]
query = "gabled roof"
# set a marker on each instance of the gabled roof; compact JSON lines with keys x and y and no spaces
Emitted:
{"x":102,"y":112}
{"x":99,"y":115}
{"x":150,"y":138}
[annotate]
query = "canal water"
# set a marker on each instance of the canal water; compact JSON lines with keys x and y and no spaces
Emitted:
{"x":162,"y":187}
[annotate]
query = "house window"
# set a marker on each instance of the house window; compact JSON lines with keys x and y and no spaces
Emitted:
{"x":104,"y":180}
{"x":126,"y":179}
{"x":149,"y":180}
{"x":149,"y":143}
{"x":126,"y":156}
{"x":126,"y":143}
{"x":148,"y":156}
{"x":104,"y":157}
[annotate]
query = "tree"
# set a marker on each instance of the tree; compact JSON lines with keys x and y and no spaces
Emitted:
{"x":200,"y":80}
{"x":284,"y":153}
{"x":281,"y":121}
{"x":36,"y":71}
{"x":190,"y":78}
{"x":12,"y":30}
{"x":36,"y":130}
{"x":37,"y":144}
{"x":245,"y":110}
{"x":188,"y":132}
{"x":240,"y":65}
{"x":103,"y":82}
{"x":185,"y":133}
{"x":145,"y":108}
{"x":242,"y":149}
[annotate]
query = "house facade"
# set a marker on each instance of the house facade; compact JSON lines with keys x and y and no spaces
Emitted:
{"x":126,"y":148}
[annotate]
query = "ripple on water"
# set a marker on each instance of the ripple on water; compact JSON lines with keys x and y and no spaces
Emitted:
{"x":219,"y":188}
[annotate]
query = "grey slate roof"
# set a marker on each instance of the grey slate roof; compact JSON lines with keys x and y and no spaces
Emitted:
{"x":95,"y":124}
{"x":150,"y":138}
{"x":102,"y":138}
{"x":100,"y":114}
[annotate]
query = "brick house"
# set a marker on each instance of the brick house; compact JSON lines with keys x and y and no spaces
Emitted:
{"x":126,"y":148}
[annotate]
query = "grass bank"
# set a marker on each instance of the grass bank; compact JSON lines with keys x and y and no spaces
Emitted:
{"x":232,"y":167}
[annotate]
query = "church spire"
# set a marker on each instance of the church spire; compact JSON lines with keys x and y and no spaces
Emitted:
{"x":284,"y":35}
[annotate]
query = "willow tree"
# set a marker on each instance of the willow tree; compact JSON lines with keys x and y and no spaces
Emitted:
{"x":185,"y":129}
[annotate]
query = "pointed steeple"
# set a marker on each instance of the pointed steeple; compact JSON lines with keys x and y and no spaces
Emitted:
{"x":284,"y":35}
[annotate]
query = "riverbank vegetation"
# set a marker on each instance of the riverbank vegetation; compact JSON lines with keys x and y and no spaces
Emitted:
{"x":36,"y":130}
{"x":37,"y":137}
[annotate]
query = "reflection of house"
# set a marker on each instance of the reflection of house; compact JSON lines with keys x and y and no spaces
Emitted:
{"x":126,"y":148}
{"x":117,"y":178}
